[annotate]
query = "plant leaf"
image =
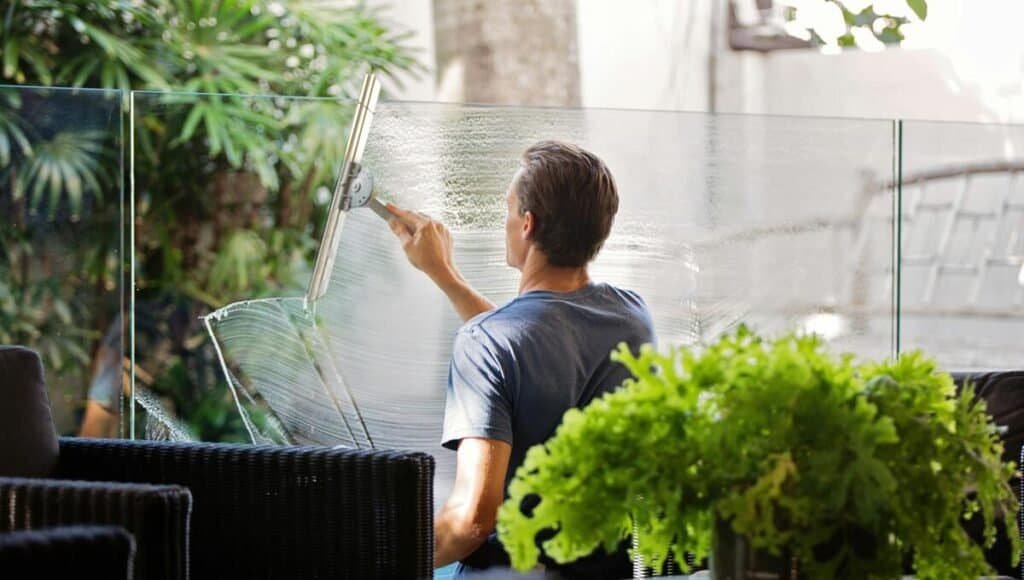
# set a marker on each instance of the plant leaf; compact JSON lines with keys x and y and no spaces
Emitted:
{"x":920,"y":7}
{"x":10,"y":57}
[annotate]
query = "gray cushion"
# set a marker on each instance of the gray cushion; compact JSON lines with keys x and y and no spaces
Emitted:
{"x":28,"y":442}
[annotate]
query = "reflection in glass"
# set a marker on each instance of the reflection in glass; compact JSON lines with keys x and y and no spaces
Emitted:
{"x":962,"y":261}
{"x":61,"y":247}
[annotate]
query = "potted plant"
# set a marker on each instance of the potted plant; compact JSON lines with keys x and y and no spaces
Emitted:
{"x":819,"y":464}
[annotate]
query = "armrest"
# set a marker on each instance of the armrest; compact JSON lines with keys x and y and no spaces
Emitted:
{"x":78,"y":552}
{"x":156,"y":515}
{"x":295,"y":512}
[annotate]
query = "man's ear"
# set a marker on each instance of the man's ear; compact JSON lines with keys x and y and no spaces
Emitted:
{"x":528,"y":225}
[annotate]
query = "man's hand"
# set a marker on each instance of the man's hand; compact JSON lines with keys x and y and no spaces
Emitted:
{"x":428,"y":245}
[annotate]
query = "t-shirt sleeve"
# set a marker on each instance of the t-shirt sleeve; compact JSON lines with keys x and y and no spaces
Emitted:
{"x":105,"y":387}
{"x":477,"y":402}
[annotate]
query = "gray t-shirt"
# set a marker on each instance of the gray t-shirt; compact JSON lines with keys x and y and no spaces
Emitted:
{"x":517,"y":369}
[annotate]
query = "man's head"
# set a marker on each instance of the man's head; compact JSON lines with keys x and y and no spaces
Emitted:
{"x":562,"y":202}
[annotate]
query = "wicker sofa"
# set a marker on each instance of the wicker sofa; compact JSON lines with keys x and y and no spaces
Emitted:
{"x":80,"y":552}
{"x":203,"y":510}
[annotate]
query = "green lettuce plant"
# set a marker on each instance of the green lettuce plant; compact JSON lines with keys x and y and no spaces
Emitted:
{"x":845,"y":466}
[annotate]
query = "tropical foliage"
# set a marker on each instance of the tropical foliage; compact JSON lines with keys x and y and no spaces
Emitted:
{"x":229,"y":189}
{"x":846,"y":466}
{"x":849,"y":23}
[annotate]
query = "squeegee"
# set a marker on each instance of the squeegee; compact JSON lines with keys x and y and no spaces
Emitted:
{"x":353,"y":189}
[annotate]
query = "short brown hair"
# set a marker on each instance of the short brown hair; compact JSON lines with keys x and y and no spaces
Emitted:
{"x":573,"y":199}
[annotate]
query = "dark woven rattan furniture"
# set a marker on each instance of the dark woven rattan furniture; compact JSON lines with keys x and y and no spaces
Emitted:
{"x":156,"y":515}
{"x":283,"y":512}
{"x":203,"y":510}
{"x":73,"y":552}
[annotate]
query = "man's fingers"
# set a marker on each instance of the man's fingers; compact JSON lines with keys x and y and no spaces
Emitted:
{"x":400,"y":230}
{"x":410,"y":218}
{"x":395,"y":210}
{"x":399,"y":214}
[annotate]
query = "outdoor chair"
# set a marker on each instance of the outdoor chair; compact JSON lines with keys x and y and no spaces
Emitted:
{"x":206,"y":510}
{"x":73,"y":552}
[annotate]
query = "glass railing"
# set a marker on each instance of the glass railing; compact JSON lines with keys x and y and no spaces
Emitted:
{"x":880,"y":235}
{"x":61,"y":248}
{"x":711,"y":232}
{"x":962,"y":244}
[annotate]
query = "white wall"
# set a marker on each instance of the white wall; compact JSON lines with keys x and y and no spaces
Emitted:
{"x":966,"y":64}
{"x":968,"y":68}
{"x":417,"y":17}
{"x":915,"y":84}
{"x":644,"y":55}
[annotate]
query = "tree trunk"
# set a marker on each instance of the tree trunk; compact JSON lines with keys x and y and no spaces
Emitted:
{"x":514,"y":53}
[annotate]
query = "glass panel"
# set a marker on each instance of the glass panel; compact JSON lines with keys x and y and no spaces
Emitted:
{"x":228,"y":193}
{"x":61,"y":264}
{"x":781,"y":223}
{"x":962,"y":243}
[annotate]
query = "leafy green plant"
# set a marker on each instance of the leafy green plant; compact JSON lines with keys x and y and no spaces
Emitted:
{"x":845,"y":466}
{"x":878,"y":20}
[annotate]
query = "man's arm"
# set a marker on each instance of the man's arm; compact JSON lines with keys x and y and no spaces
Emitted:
{"x":428,"y":245}
{"x":471,"y":512}
{"x":466,"y":300}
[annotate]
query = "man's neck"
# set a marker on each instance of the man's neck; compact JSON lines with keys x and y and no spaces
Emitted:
{"x":537,"y":274}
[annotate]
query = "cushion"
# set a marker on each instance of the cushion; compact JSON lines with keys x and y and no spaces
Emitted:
{"x":28,"y":442}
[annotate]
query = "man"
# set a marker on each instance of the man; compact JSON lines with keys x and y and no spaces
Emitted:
{"x":516,"y":369}
{"x":109,"y":378}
